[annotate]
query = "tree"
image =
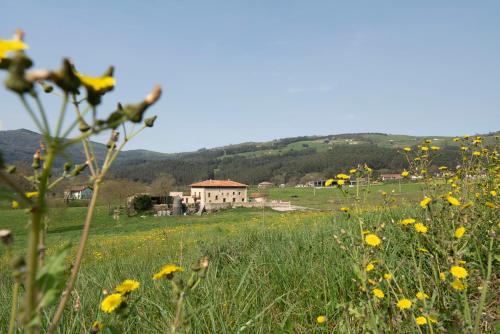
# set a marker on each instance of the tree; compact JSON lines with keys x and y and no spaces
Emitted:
{"x":162,"y":185}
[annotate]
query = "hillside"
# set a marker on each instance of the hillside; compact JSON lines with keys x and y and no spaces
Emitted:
{"x":287,"y":160}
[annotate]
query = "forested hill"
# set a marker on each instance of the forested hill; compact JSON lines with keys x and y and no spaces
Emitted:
{"x":287,"y":160}
{"x":292,"y":160}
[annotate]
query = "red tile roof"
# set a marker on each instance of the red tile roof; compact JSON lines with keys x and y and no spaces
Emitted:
{"x":218,"y":184}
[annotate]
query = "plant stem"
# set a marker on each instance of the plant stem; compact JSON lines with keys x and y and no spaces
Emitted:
{"x":34,"y":237}
{"x":42,"y":113}
{"x":178,"y":313}
{"x":13,"y":311}
{"x":78,"y":260}
{"x":484,"y":290}
{"x":61,"y":115}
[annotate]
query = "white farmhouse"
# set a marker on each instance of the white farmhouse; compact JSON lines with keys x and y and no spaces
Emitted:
{"x":219,"y":193}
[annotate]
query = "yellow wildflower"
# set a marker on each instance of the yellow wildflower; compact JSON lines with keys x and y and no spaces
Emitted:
{"x":456,"y":139}
{"x":378,"y":293}
{"x":167,"y":271}
{"x":369,"y":267}
{"x":453,"y":201}
{"x":388,"y":276}
{"x":321,"y":319}
{"x":420,"y":228}
{"x":421,"y":321}
{"x":459,"y":232}
{"x":97,"y":326}
{"x":127,"y":286}
{"x":405,"y":173}
{"x":344,"y":209}
{"x":353,"y":171}
{"x":408,"y":221}
{"x":425,"y":202}
{"x":111,"y":302}
{"x":459,"y":272}
{"x":31,"y":194}
{"x":343,"y":176}
{"x":435,"y":148}
{"x":476,"y":153}
{"x":404,"y":304}
{"x":424,"y":148}
{"x":98,"y":84}
{"x":372,"y":282}
{"x":407,"y":149}
{"x":14,"y":204}
{"x":340,"y":182}
{"x":328,"y":182}
{"x":493,"y":193}
{"x":421,"y":295}
{"x":464,"y":148}
{"x":442,"y":168}
{"x":458,"y":285}
{"x":11,"y":46}
{"x":442,"y":276}
{"x":372,"y":240}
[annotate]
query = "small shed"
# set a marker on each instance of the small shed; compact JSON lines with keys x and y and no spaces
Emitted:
{"x":265,"y":184}
{"x":80,"y":192}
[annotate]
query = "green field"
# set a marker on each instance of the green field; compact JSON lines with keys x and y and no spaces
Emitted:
{"x":269,"y":272}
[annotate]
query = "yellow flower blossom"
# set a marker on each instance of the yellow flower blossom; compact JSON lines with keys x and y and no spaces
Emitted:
{"x":458,"y":285}
{"x":369,"y":267}
{"x":372,"y":240}
{"x":343,"y":176}
{"x":31,"y":194}
{"x":476,"y":153}
{"x":353,"y":171}
{"x":404,"y":304}
{"x":459,"y":272}
{"x":111,"y":302}
{"x":407,"y":149}
{"x":14,"y":204}
{"x":459,"y":232}
{"x":344,"y":209}
{"x":421,"y":295}
{"x":420,"y":228}
{"x":167,"y":271}
{"x":11,"y":46}
{"x":421,"y":321}
{"x":387,"y":276}
{"x":405,"y":173}
{"x":453,"y":201}
{"x":456,"y":139}
{"x":425,"y":202}
{"x":329,"y":182}
{"x":378,"y":293}
{"x":493,"y":193}
{"x":407,"y":221}
{"x":321,"y":319}
{"x":98,"y":84}
{"x":424,"y":148}
{"x":340,"y":182}
{"x":435,"y":148}
{"x":127,"y":286}
{"x":442,"y":276}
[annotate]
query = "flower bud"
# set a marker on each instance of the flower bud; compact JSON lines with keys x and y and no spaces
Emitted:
{"x":78,"y":169}
{"x":67,"y":167}
{"x":150,"y":122}
{"x":6,"y":237}
{"x":16,"y":80}
{"x":36,"y":160}
{"x":66,"y":78}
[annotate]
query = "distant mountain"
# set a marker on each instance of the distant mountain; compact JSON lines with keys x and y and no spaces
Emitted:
{"x":19,"y":146}
{"x":285,"y":160}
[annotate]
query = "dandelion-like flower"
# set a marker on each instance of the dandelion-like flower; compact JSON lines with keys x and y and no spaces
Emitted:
{"x":111,"y":302}
{"x":388,"y":276}
{"x":458,"y":285}
{"x":321,"y":319}
{"x":127,"y":286}
{"x":421,"y":320}
{"x":459,"y":272}
{"x":11,"y":46}
{"x":425,"y":202}
{"x":14,"y":204}
{"x":378,"y":293}
{"x":340,"y":182}
{"x":442,"y":276}
{"x":369,"y":267}
{"x":407,"y":149}
{"x":404,"y":304}
{"x":421,"y":228}
{"x":372,"y":240}
{"x":459,"y":232}
{"x":453,"y":201}
{"x":329,"y":182}
{"x":421,"y":295}
{"x":167,"y":271}
{"x":407,"y":221}
{"x":405,"y":173}
{"x":343,"y":176}
{"x":344,"y":209}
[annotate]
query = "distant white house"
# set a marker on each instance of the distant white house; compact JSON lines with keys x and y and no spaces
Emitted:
{"x":265,"y":184}
{"x":223,"y":192}
{"x":78,"y":192}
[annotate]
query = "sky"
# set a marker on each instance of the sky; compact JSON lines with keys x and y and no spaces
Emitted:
{"x":239,"y":71}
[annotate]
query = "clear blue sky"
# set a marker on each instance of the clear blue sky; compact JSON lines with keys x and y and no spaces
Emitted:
{"x":236,"y":71}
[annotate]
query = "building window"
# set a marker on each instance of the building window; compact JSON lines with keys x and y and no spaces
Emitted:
{"x":233,"y":192}
{"x":224,"y":200}
{"x":243,"y":200}
{"x":216,"y":197}
{"x":234,"y":199}
{"x":208,"y":194}
{"x":239,"y":192}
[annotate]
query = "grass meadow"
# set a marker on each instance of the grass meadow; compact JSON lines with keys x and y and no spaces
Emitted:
{"x":269,"y":272}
